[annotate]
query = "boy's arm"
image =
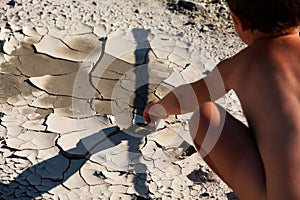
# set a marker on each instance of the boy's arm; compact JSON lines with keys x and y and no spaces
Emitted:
{"x":189,"y":97}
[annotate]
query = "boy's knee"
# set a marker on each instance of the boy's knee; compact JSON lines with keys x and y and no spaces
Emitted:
{"x":200,"y":122}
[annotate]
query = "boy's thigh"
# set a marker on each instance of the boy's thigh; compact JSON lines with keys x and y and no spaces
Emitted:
{"x":234,"y":156}
{"x":281,"y":158}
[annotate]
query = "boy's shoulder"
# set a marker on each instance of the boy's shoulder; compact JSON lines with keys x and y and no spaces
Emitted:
{"x":264,"y":52}
{"x":234,"y":68}
{"x":260,"y":59}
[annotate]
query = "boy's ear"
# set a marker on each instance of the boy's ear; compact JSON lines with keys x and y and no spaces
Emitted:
{"x":240,"y":22}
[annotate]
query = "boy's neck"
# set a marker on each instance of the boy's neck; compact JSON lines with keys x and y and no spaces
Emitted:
{"x":258,"y":35}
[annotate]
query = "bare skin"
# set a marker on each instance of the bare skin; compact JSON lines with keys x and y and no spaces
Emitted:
{"x":261,"y":161}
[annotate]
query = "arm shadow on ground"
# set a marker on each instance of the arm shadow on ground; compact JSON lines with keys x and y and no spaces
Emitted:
{"x":44,"y":176}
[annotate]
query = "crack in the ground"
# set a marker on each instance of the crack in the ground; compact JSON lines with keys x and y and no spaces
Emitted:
{"x":93,"y":68}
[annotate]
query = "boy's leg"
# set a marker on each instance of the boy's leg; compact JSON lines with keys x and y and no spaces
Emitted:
{"x":234,"y":157}
{"x":280,"y":151}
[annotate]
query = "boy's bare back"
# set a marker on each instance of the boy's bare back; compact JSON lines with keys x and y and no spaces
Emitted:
{"x":266,"y":78}
{"x":262,"y":160}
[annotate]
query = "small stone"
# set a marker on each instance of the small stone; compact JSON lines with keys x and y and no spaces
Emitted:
{"x":11,"y":3}
{"x":205,"y":194}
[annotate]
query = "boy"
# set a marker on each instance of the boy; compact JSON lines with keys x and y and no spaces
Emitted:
{"x":262,"y":160}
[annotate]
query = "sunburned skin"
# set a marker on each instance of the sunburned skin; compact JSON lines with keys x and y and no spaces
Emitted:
{"x":261,"y":161}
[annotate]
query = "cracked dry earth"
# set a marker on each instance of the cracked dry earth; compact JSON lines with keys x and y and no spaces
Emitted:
{"x":71,"y":103}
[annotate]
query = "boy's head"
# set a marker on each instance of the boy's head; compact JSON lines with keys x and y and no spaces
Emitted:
{"x":269,"y":16}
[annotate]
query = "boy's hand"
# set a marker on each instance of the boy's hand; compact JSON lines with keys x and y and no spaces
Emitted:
{"x":154,"y":112}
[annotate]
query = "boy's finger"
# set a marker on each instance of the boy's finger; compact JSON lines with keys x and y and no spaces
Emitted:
{"x":147,"y":118}
{"x":146,"y":115}
{"x":148,"y":121}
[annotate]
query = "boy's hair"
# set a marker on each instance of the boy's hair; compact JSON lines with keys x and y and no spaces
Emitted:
{"x":269,"y":16}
